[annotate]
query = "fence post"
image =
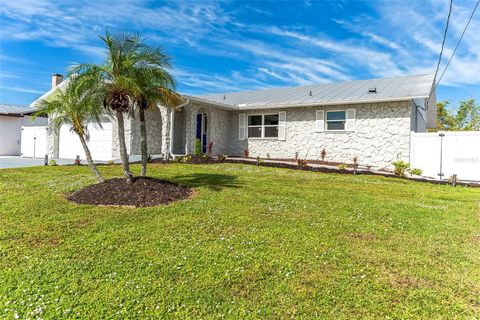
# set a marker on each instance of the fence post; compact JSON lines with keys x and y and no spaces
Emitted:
{"x":440,"y":174}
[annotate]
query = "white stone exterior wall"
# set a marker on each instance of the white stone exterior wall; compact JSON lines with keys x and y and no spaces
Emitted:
{"x":153,"y":121}
{"x":218,"y":128}
{"x":381,"y":135}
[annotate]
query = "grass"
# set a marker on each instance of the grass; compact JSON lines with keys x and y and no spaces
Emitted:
{"x":254,"y":242}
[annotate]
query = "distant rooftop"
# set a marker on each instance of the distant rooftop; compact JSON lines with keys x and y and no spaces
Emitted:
{"x":12,"y":109}
{"x":359,"y":91}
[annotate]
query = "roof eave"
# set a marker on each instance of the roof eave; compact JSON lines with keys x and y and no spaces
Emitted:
{"x":211,"y":103}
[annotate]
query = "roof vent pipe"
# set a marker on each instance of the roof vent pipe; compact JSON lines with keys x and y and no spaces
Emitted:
{"x":310,"y":93}
{"x":224,"y":97}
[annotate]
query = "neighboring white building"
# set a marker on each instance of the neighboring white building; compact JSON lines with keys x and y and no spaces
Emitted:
{"x":12,"y":119}
{"x":369,"y":119}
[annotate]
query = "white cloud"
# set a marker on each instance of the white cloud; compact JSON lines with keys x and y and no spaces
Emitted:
{"x":21,"y":89}
{"x":398,"y":38}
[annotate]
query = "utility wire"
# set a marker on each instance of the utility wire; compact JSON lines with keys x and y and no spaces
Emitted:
{"x":441,"y":50}
{"x":458,"y":43}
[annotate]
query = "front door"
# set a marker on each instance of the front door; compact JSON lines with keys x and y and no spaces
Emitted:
{"x":201,"y":132}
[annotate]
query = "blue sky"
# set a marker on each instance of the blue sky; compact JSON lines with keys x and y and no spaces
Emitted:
{"x":243,"y":45}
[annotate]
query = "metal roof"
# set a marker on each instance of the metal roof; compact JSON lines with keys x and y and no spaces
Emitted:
{"x":387,"y":89}
{"x":13,"y":110}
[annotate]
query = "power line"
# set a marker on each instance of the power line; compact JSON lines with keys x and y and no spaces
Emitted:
{"x":458,"y":43}
{"x":443,"y":41}
{"x":441,"y":50}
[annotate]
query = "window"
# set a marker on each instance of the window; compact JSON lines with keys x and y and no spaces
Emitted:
{"x":336,"y":120}
{"x":263,"y":126}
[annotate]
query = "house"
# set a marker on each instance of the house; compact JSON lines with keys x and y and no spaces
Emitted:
{"x":12,"y":119}
{"x":369,"y":119}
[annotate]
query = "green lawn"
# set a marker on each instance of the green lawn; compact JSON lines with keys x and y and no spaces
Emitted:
{"x":253,"y":242}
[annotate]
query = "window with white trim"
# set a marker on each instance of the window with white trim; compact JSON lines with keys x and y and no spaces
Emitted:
{"x":263,"y":126}
{"x":336,"y":120}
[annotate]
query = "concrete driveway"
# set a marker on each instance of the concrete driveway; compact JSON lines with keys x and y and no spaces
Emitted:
{"x":18,"y":162}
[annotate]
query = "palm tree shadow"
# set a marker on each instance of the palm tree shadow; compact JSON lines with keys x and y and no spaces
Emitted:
{"x":215,"y":182}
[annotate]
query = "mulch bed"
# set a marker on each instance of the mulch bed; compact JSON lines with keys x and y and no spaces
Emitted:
{"x":342,"y":171}
{"x":143,"y":192}
{"x":202,"y":160}
{"x":192,"y":160}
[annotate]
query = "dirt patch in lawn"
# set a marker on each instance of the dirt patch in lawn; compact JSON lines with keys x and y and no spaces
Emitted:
{"x":143,"y":192}
{"x":361,"y":236}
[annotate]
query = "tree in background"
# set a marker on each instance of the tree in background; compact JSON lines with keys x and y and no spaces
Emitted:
{"x":77,"y":106}
{"x":468,"y":116}
{"x":465,"y":117}
{"x":445,"y":121}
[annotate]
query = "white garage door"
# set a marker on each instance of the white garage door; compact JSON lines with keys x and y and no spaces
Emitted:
{"x":34,"y":142}
{"x":100,"y":142}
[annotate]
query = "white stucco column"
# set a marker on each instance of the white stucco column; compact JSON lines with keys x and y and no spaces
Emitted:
{"x":166,"y":132}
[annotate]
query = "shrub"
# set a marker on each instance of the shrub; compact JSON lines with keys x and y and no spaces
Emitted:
{"x":416,"y":171}
{"x":52,"y":163}
{"x":246,"y":154}
{"x":302,"y":162}
{"x":186,"y":159}
{"x":198,"y":147}
{"x":222,"y":157}
{"x":210,"y":148}
{"x":149,"y":158}
{"x":355,"y":164}
{"x":323,"y":154}
{"x":401,"y":167}
{"x":110,"y":162}
{"x":342,"y":166}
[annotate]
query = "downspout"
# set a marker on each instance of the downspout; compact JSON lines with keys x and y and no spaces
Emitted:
{"x":172,"y":121}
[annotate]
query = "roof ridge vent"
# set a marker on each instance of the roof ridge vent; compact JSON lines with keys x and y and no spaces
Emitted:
{"x":372,"y":90}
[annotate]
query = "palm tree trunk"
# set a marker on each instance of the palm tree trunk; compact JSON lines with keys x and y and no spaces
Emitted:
{"x":90,"y":162}
{"x":123,"y":148}
{"x":143,"y":140}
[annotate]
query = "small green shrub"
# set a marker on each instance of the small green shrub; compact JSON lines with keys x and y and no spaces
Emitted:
{"x":185,"y":159}
{"x":110,"y":162}
{"x":52,"y":163}
{"x":302,"y":162}
{"x":198,"y":147}
{"x":323,"y":154}
{"x":416,"y":171}
{"x":222,"y":157}
{"x":401,"y":167}
{"x":342,"y":166}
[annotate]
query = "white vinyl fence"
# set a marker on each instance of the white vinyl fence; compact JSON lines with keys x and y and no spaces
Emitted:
{"x":443,"y":154}
{"x":34,"y":142}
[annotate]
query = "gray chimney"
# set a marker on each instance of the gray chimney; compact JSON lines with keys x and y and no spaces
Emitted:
{"x":56,"y":79}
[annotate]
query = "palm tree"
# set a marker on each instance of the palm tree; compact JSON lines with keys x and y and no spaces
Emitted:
{"x":78,"y":108}
{"x":156,"y":86}
{"x":116,"y":79}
